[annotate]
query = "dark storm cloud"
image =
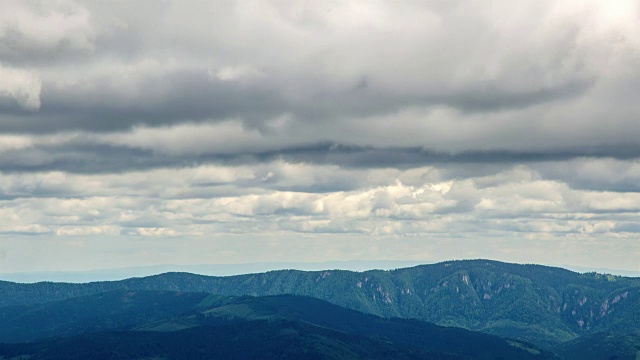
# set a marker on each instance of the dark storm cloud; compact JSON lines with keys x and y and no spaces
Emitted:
{"x":488,"y":98}
{"x":106,"y":104}
{"x":81,"y":156}
{"x":80,"y":159}
{"x":178,"y":97}
{"x":603,"y":174}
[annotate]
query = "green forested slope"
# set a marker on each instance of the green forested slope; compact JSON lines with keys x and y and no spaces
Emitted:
{"x":115,"y":310}
{"x":602,"y":346}
{"x":256,"y":339}
{"x":540,"y":304}
{"x":277,"y":327}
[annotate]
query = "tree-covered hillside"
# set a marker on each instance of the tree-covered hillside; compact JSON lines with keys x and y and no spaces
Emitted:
{"x":114,"y":310}
{"x":601,"y":346}
{"x":540,"y":304}
{"x":152,"y":324}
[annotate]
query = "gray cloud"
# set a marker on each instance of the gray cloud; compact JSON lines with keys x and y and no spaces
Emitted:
{"x":421,"y":129}
{"x":86,"y":153}
{"x":326,"y":67}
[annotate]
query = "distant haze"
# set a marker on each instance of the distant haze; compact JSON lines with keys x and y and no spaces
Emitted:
{"x":238,"y":269}
{"x":208,"y":269}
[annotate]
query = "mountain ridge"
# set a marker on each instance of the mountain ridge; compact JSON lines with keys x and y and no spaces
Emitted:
{"x":541,"y":304}
{"x":116,"y":274}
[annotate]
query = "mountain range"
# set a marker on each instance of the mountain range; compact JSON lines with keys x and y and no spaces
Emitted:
{"x":551,"y":308}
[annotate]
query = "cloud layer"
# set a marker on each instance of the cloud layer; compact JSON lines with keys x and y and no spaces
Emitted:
{"x":259,"y":130}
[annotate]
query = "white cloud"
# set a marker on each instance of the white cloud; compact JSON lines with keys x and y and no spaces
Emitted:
{"x":148,"y":203}
{"x":13,"y":142}
{"x":22,"y":86}
{"x":153,"y":232}
{"x":37,"y":27}
{"x":226,"y":137}
{"x":236,"y":73}
{"x":86,"y":230}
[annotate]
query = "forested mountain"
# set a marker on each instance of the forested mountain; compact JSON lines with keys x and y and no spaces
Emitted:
{"x":114,"y":310}
{"x":540,"y":304}
{"x":129,"y":325}
{"x":604,"y":346}
{"x":260,"y":340}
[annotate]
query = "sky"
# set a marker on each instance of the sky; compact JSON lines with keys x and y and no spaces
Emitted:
{"x":138,"y":133}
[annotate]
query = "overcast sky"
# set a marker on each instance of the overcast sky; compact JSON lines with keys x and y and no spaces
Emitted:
{"x":193,"y":132}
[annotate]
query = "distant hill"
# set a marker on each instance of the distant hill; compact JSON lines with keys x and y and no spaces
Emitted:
{"x":259,"y":339}
{"x":114,"y":310}
{"x":539,"y":304}
{"x":201,"y":326}
{"x":203,"y":269}
{"x":602,"y":346}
